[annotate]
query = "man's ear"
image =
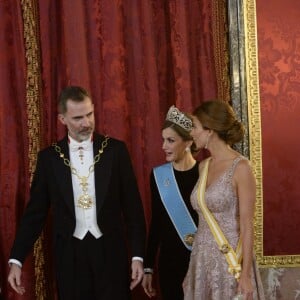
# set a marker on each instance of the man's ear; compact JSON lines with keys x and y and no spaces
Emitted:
{"x":61,"y":118}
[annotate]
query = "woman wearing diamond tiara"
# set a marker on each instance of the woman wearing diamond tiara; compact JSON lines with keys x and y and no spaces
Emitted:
{"x":173,"y":219}
{"x":222,"y":265}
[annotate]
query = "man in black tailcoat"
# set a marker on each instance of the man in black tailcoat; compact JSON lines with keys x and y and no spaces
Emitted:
{"x":88,"y":182}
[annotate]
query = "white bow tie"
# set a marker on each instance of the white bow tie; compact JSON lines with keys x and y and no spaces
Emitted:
{"x":85,"y":145}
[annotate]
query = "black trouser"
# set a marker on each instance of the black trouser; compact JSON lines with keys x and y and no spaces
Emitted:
{"x":89,"y":279}
{"x":92,"y":277}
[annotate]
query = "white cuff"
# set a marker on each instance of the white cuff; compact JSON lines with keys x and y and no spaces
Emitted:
{"x":137,"y":258}
{"x":15,"y":261}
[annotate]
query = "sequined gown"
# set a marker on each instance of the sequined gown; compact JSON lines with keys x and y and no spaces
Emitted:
{"x":207,"y":277}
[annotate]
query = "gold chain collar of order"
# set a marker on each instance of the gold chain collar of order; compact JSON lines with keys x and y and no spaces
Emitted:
{"x":85,"y":201}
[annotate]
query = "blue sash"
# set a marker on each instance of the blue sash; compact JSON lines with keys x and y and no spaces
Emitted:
{"x":174,"y":204}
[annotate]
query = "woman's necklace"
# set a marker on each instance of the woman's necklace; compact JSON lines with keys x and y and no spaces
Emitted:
{"x":84,"y":201}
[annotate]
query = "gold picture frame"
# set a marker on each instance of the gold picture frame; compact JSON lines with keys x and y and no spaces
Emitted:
{"x":255,"y":134}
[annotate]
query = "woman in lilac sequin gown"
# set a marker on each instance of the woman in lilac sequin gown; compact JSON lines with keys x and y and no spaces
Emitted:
{"x":230,"y":197}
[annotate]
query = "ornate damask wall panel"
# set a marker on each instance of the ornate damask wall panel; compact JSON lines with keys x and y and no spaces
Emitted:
{"x":271,"y":36}
{"x":279,"y":81}
{"x":272,"y":92}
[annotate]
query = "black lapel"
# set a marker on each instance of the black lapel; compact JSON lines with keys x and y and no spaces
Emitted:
{"x":103,"y":169}
{"x":63,"y":174}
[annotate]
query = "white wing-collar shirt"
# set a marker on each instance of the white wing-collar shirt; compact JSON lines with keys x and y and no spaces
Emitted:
{"x":82,"y":158}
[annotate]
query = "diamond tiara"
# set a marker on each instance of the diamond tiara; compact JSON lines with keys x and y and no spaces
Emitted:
{"x":177,"y":117}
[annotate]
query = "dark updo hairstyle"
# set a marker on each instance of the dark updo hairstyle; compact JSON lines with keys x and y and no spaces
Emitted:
{"x":184,"y":134}
{"x":220,"y":117}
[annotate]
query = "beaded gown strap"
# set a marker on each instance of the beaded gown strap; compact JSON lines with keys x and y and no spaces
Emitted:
{"x":234,"y":164}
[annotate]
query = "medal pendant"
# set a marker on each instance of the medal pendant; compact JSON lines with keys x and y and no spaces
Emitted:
{"x":85,"y":201}
{"x":189,"y":239}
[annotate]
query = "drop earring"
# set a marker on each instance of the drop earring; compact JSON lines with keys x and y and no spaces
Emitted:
{"x":207,"y":140}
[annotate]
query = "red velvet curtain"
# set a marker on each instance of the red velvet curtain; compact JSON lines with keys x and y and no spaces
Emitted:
{"x":135,"y":57}
{"x":14,"y":154}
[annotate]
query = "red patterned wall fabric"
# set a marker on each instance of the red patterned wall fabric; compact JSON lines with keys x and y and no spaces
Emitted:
{"x":279,"y":79}
{"x":136,"y":57}
{"x":14,"y":156}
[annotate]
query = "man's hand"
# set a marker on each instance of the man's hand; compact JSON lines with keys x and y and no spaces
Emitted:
{"x":137,"y":273}
{"x":14,"y":279}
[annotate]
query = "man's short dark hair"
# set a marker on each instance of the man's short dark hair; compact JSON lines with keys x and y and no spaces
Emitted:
{"x":74,"y":93}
